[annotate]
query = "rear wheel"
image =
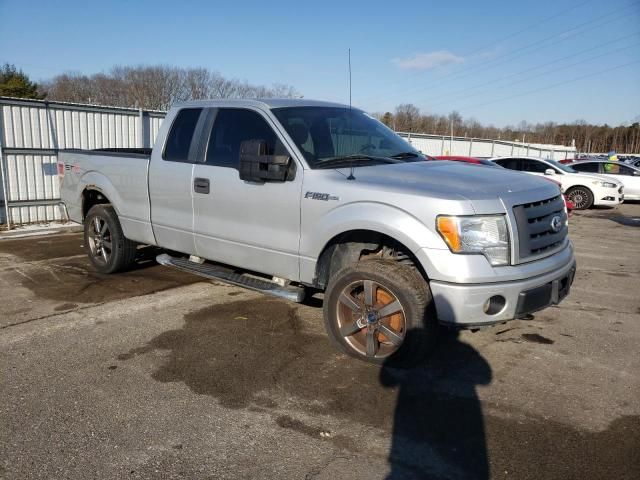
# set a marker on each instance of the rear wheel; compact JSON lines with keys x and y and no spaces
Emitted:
{"x":581,"y":197}
{"x":380,"y":311}
{"x":108,"y":249}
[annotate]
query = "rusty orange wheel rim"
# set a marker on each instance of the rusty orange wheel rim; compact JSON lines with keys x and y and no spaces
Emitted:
{"x":371,"y":319}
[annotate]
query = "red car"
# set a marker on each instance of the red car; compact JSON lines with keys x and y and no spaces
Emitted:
{"x":474,"y":160}
{"x":568,"y":203}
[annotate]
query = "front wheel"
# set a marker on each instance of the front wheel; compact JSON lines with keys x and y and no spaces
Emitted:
{"x":380,"y":311}
{"x":581,"y":197}
{"x":108,"y":249}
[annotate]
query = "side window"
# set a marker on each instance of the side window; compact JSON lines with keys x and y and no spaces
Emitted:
{"x":233,"y":126}
{"x":179,"y":139}
{"x":586,"y":167}
{"x":510,"y":163}
{"x":533,"y":166}
{"x":626,"y":170}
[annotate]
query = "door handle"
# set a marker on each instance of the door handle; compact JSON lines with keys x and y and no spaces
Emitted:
{"x":201,"y":185}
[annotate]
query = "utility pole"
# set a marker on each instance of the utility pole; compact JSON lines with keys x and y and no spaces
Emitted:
{"x":451,"y":139}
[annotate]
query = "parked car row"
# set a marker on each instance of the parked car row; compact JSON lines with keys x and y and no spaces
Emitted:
{"x":483,"y":161}
{"x":633,"y":160}
{"x":583,"y":189}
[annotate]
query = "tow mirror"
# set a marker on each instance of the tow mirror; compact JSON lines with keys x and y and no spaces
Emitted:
{"x":549,"y":171}
{"x":256,"y":165}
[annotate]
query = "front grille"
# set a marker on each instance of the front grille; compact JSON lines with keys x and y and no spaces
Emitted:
{"x":536,"y":234}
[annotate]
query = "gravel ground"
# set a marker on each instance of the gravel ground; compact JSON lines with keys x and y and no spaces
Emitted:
{"x":156,"y":374}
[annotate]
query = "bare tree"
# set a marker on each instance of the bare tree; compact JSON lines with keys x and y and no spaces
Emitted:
{"x":587,"y":137}
{"x":155,"y":87}
{"x":406,"y":117}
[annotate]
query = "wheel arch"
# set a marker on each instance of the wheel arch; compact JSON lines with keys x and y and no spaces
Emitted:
{"x":92,"y":195}
{"x":352,"y":246}
{"x":98,"y":189}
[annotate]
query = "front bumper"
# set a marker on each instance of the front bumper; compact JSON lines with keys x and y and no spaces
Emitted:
{"x":462,"y":305}
{"x":610,"y":198}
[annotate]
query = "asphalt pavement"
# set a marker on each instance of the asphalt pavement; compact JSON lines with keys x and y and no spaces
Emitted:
{"x":156,"y":373}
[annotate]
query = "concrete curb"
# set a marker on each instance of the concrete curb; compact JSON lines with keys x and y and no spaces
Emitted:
{"x":34,"y":231}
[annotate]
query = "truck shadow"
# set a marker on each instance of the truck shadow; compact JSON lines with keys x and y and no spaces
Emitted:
{"x":258,"y":355}
{"x":438,"y":415}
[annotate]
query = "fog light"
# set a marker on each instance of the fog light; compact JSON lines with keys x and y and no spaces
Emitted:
{"x":494,"y":305}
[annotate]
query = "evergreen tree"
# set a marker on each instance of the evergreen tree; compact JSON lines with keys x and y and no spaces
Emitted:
{"x":15,"y":83}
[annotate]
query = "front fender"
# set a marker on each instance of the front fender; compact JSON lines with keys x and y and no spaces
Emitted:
{"x":379,"y":217}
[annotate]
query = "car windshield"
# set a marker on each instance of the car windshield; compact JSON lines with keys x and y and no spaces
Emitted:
{"x":560,"y":166}
{"x":331,"y":137}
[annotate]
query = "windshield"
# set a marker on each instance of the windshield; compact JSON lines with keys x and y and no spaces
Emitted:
{"x":561,"y":166}
{"x":332,"y":136}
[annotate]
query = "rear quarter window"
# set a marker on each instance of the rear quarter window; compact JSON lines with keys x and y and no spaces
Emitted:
{"x":181,"y":134}
{"x":510,"y":163}
{"x":586,"y":167}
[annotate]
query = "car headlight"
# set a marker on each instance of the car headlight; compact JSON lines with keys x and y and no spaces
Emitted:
{"x":605,"y":184}
{"x":483,"y":234}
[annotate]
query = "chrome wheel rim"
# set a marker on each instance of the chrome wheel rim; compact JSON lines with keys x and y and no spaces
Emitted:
{"x":579,"y":198}
{"x":100,"y":241}
{"x":371,"y":319}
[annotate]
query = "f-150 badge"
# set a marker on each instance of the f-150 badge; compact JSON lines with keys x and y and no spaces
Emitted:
{"x":320,"y":196}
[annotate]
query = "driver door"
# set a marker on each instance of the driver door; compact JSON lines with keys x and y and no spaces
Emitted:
{"x":251,"y":225}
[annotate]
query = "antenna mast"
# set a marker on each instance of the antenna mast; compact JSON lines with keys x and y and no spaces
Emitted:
{"x":349,"y":79}
{"x":350,"y":177}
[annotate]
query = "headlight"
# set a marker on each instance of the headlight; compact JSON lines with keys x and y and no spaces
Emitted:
{"x":605,"y":184}
{"x":484,"y":234}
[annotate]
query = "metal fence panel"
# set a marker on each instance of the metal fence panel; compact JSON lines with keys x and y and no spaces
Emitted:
{"x":435,"y":145}
{"x":32,"y":132}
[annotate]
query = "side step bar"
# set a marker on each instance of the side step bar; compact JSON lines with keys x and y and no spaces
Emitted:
{"x":215,"y":272}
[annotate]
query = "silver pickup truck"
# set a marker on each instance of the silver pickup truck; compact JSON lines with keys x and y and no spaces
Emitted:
{"x":289,"y":197}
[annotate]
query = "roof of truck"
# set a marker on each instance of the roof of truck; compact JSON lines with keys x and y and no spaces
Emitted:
{"x":261,"y":103}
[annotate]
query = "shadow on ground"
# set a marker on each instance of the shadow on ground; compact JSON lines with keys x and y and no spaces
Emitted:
{"x":256,"y":355}
{"x":614,"y":215}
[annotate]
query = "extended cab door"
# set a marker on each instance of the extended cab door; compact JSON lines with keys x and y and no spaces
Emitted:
{"x":171,"y":181}
{"x":255,"y":226}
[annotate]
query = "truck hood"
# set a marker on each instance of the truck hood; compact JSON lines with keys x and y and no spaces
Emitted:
{"x":446,"y":179}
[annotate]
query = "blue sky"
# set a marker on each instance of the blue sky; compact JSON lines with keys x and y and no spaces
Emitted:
{"x":497,"y":61}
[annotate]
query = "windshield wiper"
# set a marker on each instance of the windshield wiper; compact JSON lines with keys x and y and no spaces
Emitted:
{"x":348,"y":160}
{"x":405,"y":155}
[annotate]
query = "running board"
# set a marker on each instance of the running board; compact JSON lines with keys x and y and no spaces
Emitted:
{"x":215,"y":272}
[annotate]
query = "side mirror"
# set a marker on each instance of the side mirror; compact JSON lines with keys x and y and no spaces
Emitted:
{"x":256,"y":165}
{"x":549,"y":171}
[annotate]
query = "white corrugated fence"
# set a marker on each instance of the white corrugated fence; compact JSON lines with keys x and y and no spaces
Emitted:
{"x":435,"y":145}
{"x":32,"y":132}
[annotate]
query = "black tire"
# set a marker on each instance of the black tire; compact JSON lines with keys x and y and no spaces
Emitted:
{"x":403,"y":282}
{"x":108,"y":249}
{"x":581,"y":197}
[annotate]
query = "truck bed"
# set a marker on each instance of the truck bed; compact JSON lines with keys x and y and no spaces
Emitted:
{"x":122,"y":177}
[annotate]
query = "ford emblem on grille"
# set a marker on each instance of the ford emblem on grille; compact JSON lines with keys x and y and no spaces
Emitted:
{"x":556,"y":223}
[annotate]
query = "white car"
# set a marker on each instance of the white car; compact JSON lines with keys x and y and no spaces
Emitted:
{"x":628,"y":175}
{"x":583,"y":189}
